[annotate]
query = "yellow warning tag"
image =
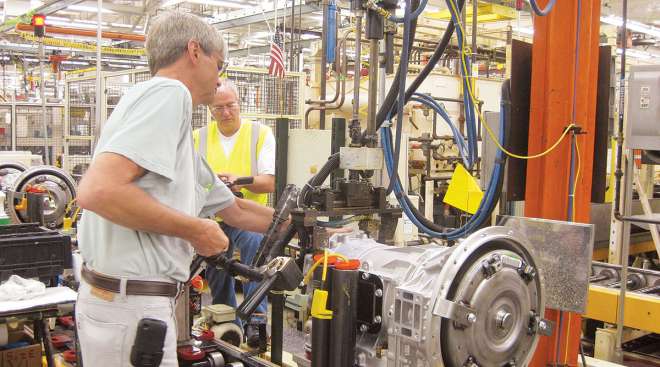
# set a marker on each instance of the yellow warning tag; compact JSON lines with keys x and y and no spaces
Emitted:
{"x":319,"y":305}
{"x":463,"y":192}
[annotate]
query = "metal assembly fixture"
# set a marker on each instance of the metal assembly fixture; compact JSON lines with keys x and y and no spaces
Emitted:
{"x":56,"y":187}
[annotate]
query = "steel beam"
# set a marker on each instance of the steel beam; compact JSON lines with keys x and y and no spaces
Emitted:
{"x":259,"y":17}
{"x":242,"y":52}
{"x":554,"y":71}
{"x":642,"y":311}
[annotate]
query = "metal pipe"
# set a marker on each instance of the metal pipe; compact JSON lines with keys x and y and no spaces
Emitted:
{"x":277,"y":328}
{"x":342,"y":96}
{"x":281,"y":156}
{"x":324,"y":66}
{"x":624,"y":248}
{"x":357,"y":66}
{"x":341,"y":47}
{"x":292,"y":47}
{"x":96,"y":130}
{"x":344,"y":317}
{"x":475,"y":10}
{"x":83,"y":32}
{"x":372,"y":104}
{"x":341,"y":76}
{"x":650,"y":290}
{"x":447,"y":99}
{"x":42,"y":90}
{"x":619,"y":173}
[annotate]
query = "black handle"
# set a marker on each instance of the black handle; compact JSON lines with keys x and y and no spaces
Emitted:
{"x":242,"y":181}
{"x":252,"y":301}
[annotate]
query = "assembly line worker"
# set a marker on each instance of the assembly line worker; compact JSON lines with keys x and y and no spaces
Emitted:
{"x":145,"y":192}
{"x":236,"y":148}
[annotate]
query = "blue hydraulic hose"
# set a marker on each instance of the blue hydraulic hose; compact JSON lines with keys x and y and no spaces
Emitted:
{"x":477,"y":219}
{"x":542,"y":12}
{"x":403,"y":71}
{"x":458,"y":137}
{"x":331,"y":36}
{"x":468,"y":104}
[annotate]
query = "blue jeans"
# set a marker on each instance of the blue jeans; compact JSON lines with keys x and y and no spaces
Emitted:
{"x":222,"y":284}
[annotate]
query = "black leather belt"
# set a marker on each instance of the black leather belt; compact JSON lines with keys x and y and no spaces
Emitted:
{"x":133,"y":287}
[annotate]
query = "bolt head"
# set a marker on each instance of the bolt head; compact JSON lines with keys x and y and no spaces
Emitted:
{"x":377,"y":320}
{"x":364,"y":328}
{"x":471,"y":318}
{"x":365,"y":276}
{"x":378,"y":293}
{"x":504,"y":319}
{"x":543,"y":325}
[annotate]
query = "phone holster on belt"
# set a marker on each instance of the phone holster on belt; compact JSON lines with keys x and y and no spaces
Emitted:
{"x":147,"y":349}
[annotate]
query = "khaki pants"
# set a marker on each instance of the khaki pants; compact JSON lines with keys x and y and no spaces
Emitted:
{"x":107,"y":324}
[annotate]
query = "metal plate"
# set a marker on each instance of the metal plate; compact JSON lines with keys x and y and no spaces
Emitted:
{"x":564,"y":253}
{"x":521,"y":85}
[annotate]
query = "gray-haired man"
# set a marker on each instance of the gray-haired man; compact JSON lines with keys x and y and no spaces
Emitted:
{"x":145,"y":193}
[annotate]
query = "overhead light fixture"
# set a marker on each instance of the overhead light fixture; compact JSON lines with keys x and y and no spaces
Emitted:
{"x":73,"y":62}
{"x":89,"y":9}
{"x":529,"y":31}
{"x":257,"y":35}
{"x":632,"y":25}
{"x":73,"y":24}
{"x":218,"y":3}
{"x":123,"y":66}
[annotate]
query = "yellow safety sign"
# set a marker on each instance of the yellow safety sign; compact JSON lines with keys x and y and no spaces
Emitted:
{"x":463,"y":192}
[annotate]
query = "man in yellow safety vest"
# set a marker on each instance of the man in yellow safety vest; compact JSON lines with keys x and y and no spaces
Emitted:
{"x":236,"y":148}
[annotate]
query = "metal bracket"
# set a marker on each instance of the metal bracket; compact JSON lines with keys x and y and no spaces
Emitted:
{"x":459,"y":313}
{"x":540,"y":326}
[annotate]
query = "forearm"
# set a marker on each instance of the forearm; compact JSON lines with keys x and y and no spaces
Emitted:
{"x":248,"y":215}
{"x":131,"y":207}
{"x":263,"y":184}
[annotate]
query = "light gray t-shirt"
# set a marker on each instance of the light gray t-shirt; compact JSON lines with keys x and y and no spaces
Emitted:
{"x":151,"y":126}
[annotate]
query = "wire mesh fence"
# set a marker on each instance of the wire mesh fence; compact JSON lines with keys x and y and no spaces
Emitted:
{"x":6,"y":128}
{"x":260,"y":93}
{"x":142,"y":76}
{"x":200,"y":117}
{"x":38,"y":136}
{"x":81,"y":104}
{"x":262,"y":98}
{"x":293,"y":123}
{"x":76,"y":165}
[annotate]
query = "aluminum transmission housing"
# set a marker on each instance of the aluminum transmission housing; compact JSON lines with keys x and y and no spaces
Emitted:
{"x":478,"y":303}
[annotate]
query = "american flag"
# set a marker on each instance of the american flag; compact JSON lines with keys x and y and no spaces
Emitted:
{"x":276,"y":67}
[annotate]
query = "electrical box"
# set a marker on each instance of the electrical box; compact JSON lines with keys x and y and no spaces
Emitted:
{"x":643,"y":105}
{"x":308,"y":150}
{"x":362,"y":158}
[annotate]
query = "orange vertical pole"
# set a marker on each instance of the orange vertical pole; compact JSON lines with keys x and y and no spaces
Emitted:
{"x":551,"y":110}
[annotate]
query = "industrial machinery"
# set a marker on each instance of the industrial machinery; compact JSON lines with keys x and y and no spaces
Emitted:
{"x":479,"y":303}
{"x":475,"y":297}
{"x":40,"y":194}
{"x":9,"y":171}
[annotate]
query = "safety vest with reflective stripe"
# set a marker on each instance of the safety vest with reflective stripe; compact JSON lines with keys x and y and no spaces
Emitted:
{"x":242,"y":160}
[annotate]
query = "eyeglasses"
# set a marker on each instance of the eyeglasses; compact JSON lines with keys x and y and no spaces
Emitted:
{"x":219,"y":109}
{"x":222,"y":67}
